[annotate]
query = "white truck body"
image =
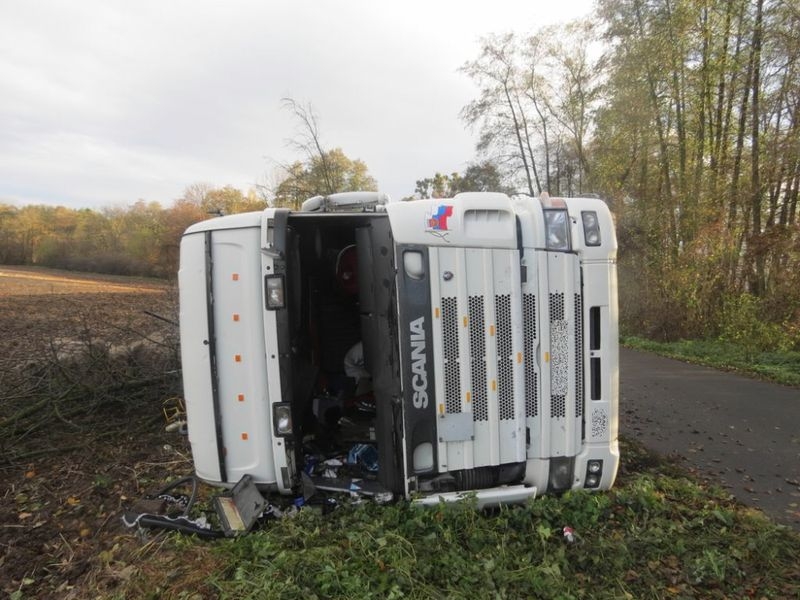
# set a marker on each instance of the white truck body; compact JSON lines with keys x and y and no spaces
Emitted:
{"x":489,"y":326}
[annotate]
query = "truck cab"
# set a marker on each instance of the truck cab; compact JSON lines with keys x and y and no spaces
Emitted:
{"x":484,"y":327}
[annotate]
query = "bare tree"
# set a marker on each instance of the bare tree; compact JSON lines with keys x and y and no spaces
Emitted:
{"x":498,"y":111}
{"x":308,"y":139}
{"x":196,"y":193}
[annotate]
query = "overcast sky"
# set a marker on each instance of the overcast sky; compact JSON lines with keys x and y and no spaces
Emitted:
{"x":104,"y":102}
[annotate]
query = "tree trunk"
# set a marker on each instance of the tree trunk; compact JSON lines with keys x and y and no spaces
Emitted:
{"x":755,"y":193}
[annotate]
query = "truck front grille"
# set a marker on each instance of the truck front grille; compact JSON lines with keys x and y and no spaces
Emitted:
{"x":512,"y":355}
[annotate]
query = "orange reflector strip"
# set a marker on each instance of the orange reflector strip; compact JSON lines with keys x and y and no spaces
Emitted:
{"x":235,"y":277}
{"x":436,"y":312}
{"x":238,"y":358}
{"x":235,"y":317}
{"x":466,"y":321}
{"x":441,"y":408}
{"x":469,"y":396}
{"x":245,"y":436}
{"x":519,"y":357}
{"x":546,"y":357}
{"x":491,"y":330}
{"x":240,"y":397}
{"x":494,"y":385}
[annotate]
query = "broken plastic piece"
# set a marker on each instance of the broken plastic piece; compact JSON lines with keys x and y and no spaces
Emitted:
{"x":240,"y":508}
{"x":309,"y":489}
{"x":272,"y":512}
{"x":569,"y":534}
{"x":331,"y":468}
{"x":364,"y":455}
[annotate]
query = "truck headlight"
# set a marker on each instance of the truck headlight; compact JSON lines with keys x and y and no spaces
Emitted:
{"x":282,"y":419}
{"x":560,"y":477}
{"x":591,"y":228}
{"x":273,"y":291}
{"x":556,"y":230}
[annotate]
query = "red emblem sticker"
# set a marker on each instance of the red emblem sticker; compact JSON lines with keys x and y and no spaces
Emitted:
{"x":437,"y":219}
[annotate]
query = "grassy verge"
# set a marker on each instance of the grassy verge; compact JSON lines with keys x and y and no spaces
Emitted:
{"x":657,"y":534}
{"x":781,"y":367}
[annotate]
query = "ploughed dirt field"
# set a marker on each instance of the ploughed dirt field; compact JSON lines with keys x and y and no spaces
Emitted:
{"x":88,"y":378}
{"x":44,"y":310}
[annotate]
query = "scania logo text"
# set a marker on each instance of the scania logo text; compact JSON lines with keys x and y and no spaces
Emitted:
{"x":419,"y":374}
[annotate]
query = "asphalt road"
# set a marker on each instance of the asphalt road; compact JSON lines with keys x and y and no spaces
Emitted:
{"x":740,"y":433}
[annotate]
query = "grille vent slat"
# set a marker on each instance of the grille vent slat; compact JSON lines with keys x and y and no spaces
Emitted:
{"x":556,"y":307}
{"x":505,"y":364}
{"x":559,"y":406}
{"x":578,"y":355}
{"x":477,"y":348}
{"x":559,"y":361}
{"x":452,"y":366}
{"x":531,"y":377}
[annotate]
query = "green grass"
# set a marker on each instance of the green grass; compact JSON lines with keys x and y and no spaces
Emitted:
{"x":657,"y":534}
{"x":780,"y":367}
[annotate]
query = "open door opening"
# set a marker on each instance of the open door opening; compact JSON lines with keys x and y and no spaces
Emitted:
{"x":343,"y":358}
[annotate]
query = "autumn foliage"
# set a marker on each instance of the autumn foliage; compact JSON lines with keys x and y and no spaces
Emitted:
{"x":142,"y":239}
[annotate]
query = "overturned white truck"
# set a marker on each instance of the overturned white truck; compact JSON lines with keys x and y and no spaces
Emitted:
{"x":488,"y":326}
